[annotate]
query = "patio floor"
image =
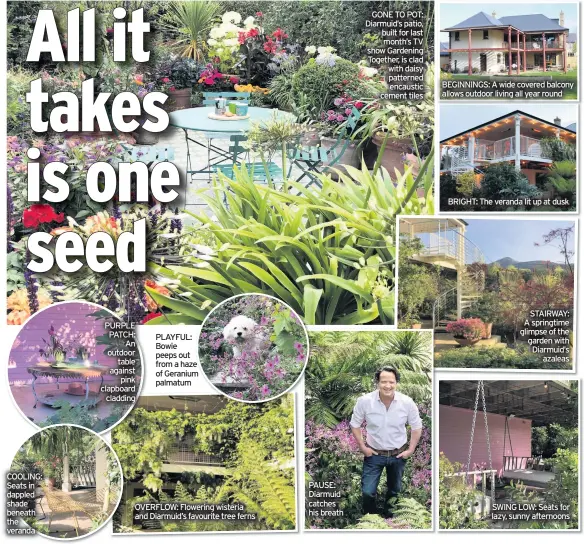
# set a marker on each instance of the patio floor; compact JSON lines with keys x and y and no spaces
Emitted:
{"x":174,"y":137}
{"x":24,"y":397}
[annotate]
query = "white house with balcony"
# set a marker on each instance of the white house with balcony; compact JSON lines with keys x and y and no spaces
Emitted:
{"x":445,"y":244}
{"x":515,"y":138}
{"x":489,"y":44}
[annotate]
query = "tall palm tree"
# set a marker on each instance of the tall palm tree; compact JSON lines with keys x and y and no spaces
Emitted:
{"x":192,"y":22}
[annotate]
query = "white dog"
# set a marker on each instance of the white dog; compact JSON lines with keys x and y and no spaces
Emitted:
{"x":244,"y":335}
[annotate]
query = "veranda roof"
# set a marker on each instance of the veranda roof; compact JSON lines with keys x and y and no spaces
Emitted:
{"x":542,"y":402}
{"x":536,"y":22}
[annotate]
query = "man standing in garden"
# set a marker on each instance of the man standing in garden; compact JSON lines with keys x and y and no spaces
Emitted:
{"x":386,"y":412}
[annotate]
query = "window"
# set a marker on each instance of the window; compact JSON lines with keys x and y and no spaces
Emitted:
{"x":498,"y":58}
{"x":457,"y":36}
{"x":485,"y":34}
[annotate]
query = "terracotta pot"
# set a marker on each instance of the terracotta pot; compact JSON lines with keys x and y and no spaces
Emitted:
{"x":466,"y":342}
{"x":488,"y":331}
{"x":310,"y":138}
{"x":394,"y":152}
{"x":179,"y":99}
{"x":416,"y":325}
{"x":51,"y":482}
{"x":350,"y":156}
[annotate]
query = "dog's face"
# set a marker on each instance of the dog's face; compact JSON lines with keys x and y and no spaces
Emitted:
{"x":239,"y":329}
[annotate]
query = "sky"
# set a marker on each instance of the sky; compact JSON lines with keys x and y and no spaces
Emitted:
{"x":459,"y":117}
{"x":498,"y":238}
{"x":451,"y":14}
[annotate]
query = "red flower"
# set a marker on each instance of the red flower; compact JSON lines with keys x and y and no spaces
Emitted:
{"x":241,"y":38}
{"x":165,"y":80}
{"x":173,"y":88}
{"x":209,"y":81}
{"x":279,"y":34}
{"x":359,"y":104}
{"x":40,"y":213}
{"x":269,"y":46}
{"x":234,"y":80}
{"x":259,"y":14}
{"x":150,"y":316}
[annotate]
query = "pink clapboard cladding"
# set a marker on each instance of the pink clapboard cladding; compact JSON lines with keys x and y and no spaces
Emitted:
{"x":454,"y":437}
{"x":70,"y":321}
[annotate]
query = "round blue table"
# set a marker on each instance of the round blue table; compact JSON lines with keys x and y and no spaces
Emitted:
{"x":197,"y":119}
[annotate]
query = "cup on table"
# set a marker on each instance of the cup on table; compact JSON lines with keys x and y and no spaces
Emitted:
{"x":241,"y":108}
{"x":233,"y":107}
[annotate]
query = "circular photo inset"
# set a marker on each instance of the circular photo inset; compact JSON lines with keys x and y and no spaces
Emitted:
{"x":253,"y":347}
{"x":69,"y":482}
{"x":75,"y":363}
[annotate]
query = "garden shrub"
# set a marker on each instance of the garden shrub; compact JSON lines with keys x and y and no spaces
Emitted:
{"x":563,"y":488}
{"x":491,"y":357}
{"x":558,"y":150}
{"x":320,"y":82}
{"x":466,"y":183}
{"x":503,"y":181}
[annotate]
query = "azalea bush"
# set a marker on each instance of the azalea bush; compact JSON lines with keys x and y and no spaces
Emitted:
{"x":266,"y":371}
{"x":469,"y":329}
{"x":329,"y":252}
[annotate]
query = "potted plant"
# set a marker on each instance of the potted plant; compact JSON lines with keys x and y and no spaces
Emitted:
{"x":176,"y":77}
{"x":467,"y":332}
{"x":54,"y":350}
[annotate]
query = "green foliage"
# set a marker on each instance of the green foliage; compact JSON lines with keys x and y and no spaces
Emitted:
{"x":456,"y":500}
{"x":191,"y":21}
{"x":562,"y":177}
{"x":371,"y":522}
{"x":503,"y":181}
{"x":342,"y":365}
{"x":84,"y":414}
{"x":326,"y":252}
{"x":492,"y":357}
{"x":409,"y":512}
{"x":558,"y":150}
{"x":564,"y":487}
{"x":417,"y":282}
{"x":487,"y":307}
{"x":319,"y":83}
{"x":256,"y":443}
{"x":466,"y":183}
{"x":17,"y":109}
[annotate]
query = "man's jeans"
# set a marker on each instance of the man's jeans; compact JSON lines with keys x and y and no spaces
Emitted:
{"x":372,"y":469}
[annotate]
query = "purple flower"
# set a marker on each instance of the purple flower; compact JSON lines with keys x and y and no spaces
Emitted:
{"x":338,"y":101}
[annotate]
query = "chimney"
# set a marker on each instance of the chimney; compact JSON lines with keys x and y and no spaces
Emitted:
{"x":558,"y":121}
{"x":561,"y":18}
{"x":494,"y":14}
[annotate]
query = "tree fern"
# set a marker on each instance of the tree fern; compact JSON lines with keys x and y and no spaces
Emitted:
{"x":410,"y":512}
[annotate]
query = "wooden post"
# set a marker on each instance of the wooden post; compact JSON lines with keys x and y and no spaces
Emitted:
{"x":518,"y":53}
{"x":524,"y":55}
{"x":543,"y":45}
{"x":469,"y":52}
{"x":510,"y":54}
{"x":565,"y":52}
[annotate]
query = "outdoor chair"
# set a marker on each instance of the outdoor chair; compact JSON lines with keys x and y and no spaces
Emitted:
{"x":209,"y":100}
{"x":60,"y":503}
{"x":239,"y":158}
{"x":311,"y":160}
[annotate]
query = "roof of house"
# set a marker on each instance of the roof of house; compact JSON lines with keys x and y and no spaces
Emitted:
{"x":525,"y":23}
{"x":532,"y":23}
{"x":509,"y":115}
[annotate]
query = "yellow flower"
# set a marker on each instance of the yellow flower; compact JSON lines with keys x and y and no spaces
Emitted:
{"x":18,"y":300}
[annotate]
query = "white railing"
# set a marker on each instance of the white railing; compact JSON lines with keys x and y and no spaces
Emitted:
{"x":486,"y":150}
{"x":530,"y":147}
{"x":486,"y":501}
{"x":448,"y":242}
